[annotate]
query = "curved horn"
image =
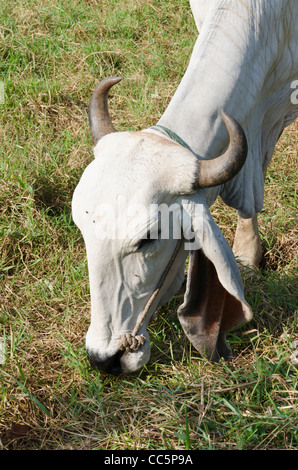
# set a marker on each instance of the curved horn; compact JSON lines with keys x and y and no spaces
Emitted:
{"x":224,"y":168}
{"x":99,"y":117}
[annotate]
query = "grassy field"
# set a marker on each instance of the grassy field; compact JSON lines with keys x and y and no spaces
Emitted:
{"x":52,"y":55}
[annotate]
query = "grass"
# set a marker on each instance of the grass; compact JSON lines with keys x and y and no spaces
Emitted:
{"x":52,"y":54}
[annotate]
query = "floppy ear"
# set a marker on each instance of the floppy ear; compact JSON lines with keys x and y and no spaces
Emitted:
{"x":214,"y":300}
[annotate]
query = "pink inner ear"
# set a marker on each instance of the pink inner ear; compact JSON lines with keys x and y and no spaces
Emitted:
{"x":209,"y":311}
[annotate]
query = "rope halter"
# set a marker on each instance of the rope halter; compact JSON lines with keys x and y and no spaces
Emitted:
{"x":132,"y":341}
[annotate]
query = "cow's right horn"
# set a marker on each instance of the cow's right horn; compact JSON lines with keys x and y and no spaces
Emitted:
{"x":222,"y":169}
{"x":99,"y":117}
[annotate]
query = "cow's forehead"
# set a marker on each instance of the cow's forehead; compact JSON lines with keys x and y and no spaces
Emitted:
{"x":142,"y":165}
{"x":119,"y":168}
{"x":106,"y":182}
{"x":118,"y":191}
{"x":131,"y":174}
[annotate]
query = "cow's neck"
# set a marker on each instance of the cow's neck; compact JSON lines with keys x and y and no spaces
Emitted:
{"x":218,"y":77}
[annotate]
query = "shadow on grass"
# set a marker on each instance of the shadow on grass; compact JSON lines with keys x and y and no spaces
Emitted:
{"x":52,"y":194}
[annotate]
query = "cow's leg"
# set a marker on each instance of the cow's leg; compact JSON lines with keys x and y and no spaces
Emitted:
{"x":247,"y":244}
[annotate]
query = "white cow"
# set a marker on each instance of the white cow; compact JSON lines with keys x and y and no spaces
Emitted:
{"x":244,"y":62}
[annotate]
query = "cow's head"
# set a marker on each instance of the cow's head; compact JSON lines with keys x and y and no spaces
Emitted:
{"x":139,"y":202}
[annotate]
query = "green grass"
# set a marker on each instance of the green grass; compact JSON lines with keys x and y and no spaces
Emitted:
{"x":52,"y":54}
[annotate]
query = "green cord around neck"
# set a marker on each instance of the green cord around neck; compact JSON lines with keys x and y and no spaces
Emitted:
{"x":174,"y":136}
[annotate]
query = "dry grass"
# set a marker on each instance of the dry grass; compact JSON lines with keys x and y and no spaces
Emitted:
{"x":50,"y":60}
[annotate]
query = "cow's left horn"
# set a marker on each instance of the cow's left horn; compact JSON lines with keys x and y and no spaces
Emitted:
{"x":99,"y":117}
{"x":224,"y":168}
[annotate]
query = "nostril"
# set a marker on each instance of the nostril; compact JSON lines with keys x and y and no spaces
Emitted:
{"x":111,"y":365}
{"x":116,"y":367}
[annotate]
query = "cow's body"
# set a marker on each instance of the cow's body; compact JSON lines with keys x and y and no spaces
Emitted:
{"x":244,"y":61}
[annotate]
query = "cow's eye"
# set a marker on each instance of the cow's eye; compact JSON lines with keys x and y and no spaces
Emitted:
{"x":145,"y":241}
{"x":148,"y":240}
